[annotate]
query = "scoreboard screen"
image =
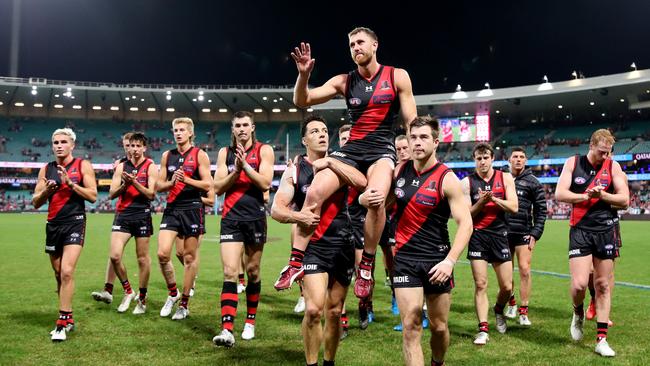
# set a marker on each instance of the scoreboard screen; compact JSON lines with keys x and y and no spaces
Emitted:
{"x":465,"y":129}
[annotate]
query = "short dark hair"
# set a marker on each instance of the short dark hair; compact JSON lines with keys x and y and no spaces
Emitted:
{"x":344,"y":128}
{"x":307,"y":120}
{"x":366,"y":30}
{"x":242,"y":114}
{"x":518,"y":149}
{"x":482,"y":148}
{"x":139,"y":137}
{"x":432,"y":122}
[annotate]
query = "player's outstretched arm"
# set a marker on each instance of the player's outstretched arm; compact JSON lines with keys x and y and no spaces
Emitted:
{"x":303,"y":97}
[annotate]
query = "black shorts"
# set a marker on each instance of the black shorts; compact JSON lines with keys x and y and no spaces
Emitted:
{"x":515,"y":240}
{"x":489,"y":247}
{"x":58,"y":235}
{"x":203,"y":218}
{"x":358,"y":235}
{"x":247,"y":232}
{"x":408,"y":273}
{"x":186,"y":222}
{"x":600,"y":244}
{"x":335,"y":260}
{"x":141,"y":227}
{"x":360,"y":157}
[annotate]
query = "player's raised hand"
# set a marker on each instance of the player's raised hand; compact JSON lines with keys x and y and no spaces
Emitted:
{"x":302,"y":56}
{"x":63,"y":174}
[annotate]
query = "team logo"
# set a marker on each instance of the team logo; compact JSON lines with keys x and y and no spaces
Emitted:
{"x":190,"y":159}
{"x":171,"y":168}
{"x":415,"y":183}
{"x":497,"y":185}
{"x":604,"y":173}
{"x":304,"y":188}
{"x":431,"y":186}
{"x":385,"y":85}
{"x":368,"y":88}
{"x":354,"y":101}
{"x":399,"y":193}
{"x":253,"y":156}
{"x":401,"y":182}
{"x":72,"y":170}
{"x":580,"y":180}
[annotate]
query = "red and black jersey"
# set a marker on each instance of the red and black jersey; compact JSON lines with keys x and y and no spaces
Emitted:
{"x":65,"y":205}
{"x":593,"y":214}
{"x":492,"y":218}
{"x":131,"y":201}
{"x":334,"y":216}
{"x":373,"y":106}
{"x":422,"y":213}
{"x":244,"y":200}
{"x":182,"y":195}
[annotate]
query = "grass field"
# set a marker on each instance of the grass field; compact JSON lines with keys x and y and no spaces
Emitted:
{"x":27,"y":294}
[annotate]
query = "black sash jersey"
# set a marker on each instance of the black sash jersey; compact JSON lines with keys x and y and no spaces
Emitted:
{"x":334,"y":226}
{"x":593,"y":214}
{"x":181,"y":195}
{"x":373,"y":106}
{"x":421,"y":213}
{"x":65,"y":205}
{"x":492,"y":218}
{"x":244,"y":201}
{"x":131,"y":201}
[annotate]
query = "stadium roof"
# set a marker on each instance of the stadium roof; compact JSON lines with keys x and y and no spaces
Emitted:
{"x":608,"y":94}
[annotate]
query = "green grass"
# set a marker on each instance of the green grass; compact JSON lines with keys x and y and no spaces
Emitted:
{"x":27,"y":294}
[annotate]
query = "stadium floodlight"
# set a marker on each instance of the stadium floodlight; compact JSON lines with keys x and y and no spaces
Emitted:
{"x":275,"y":110}
{"x":200,"y":98}
{"x":168,"y":97}
{"x":280,"y":98}
{"x":293,"y":110}
{"x":622,"y":100}
{"x":209,"y":100}
{"x":265,"y":98}
{"x":592,"y":103}
{"x":19,"y":104}
{"x":170,"y":109}
{"x":193,"y":99}
{"x":545,"y":85}
{"x":205,"y":110}
{"x":574,"y":74}
{"x":56,"y":95}
{"x":498,"y":111}
{"x":169,"y":92}
{"x":459,"y":94}
{"x":342,"y":118}
{"x":97,"y":108}
{"x":34,"y":91}
{"x":258,"y":110}
{"x":467,"y":113}
{"x":58,"y":106}
{"x":127,"y":98}
{"x":142,"y":99}
{"x":487,"y":92}
{"x":200,"y":92}
{"x":133,"y":109}
{"x":223,"y":110}
{"x":633,"y":66}
{"x":309,"y":110}
{"x":69,"y":90}
{"x":115,"y":108}
{"x":560,"y":106}
{"x":151,"y":109}
{"x":38,"y":105}
{"x":1,"y":102}
{"x":275,"y":100}
{"x":76,"y":106}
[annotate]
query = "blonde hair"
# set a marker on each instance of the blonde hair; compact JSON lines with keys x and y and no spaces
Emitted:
{"x":188,"y":121}
{"x":603,"y":135}
{"x":65,"y":131}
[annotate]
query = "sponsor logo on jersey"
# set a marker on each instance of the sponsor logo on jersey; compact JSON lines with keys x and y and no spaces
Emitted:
{"x":162,"y":226}
{"x":50,"y":247}
{"x":505,"y":251}
{"x":580,"y":180}
{"x":305,"y":188}
{"x":401,"y":182}
{"x":425,"y":200}
{"x":231,"y":168}
{"x":171,"y":168}
{"x":369,"y":88}
{"x":338,"y":153}
{"x":79,"y":217}
{"x":310,"y":267}
{"x":415,"y":183}
{"x":354,"y":101}
{"x":574,"y":252}
{"x":227,"y":237}
{"x":194,"y":226}
{"x":382,"y":98}
{"x":475,"y":254}
{"x":75,"y":235}
{"x":117,"y":227}
{"x":609,"y":246}
{"x":401,"y":279}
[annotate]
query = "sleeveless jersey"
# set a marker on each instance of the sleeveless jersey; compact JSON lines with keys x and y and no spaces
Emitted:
{"x":65,"y":205}
{"x":334,"y":218}
{"x":421,"y":214}
{"x":181,"y":195}
{"x":244,"y":201}
{"x":131,"y":201}
{"x":492,"y":218}
{"x":593,"y":214}
{"x":373,"y":107}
